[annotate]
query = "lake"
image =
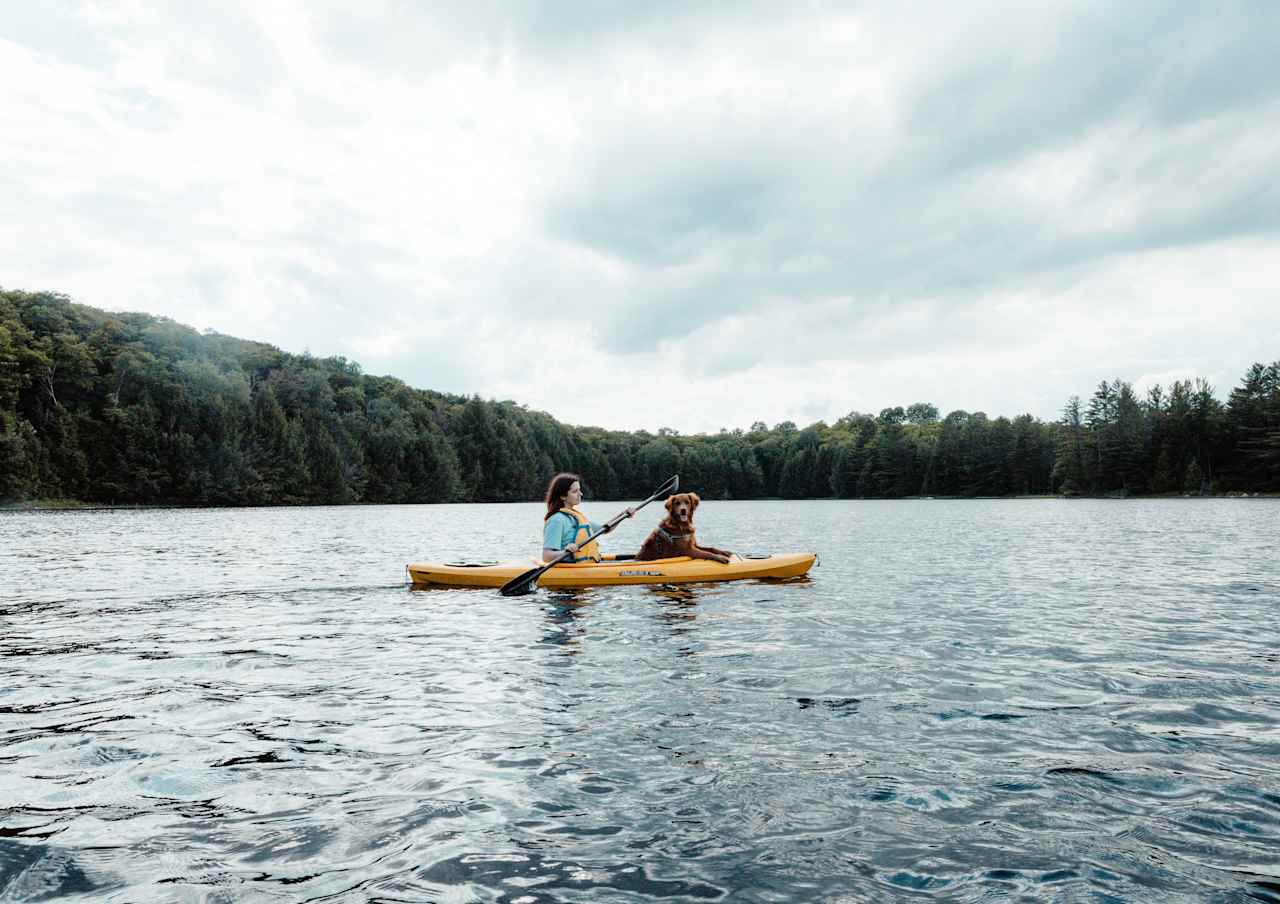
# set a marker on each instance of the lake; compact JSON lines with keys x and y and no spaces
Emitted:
{"x":967,"y":700}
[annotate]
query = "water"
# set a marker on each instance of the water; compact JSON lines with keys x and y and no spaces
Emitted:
{"x":1033,"y":700}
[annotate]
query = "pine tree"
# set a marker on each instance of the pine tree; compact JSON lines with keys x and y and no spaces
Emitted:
{"x":1166,"y":478}
{"x":1069,"y":469}
{"x":276,"y":453}
{"x":1193,"y":482}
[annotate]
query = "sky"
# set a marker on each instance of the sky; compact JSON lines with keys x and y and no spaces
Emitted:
{"x":666,"y":214}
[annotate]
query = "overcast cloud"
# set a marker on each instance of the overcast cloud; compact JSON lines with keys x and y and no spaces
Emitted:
{"x":666,"y":214}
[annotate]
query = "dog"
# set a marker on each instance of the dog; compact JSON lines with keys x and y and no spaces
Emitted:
{"x":674,"y":536}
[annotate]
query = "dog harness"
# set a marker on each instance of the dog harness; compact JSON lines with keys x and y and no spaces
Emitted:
{"x":670,"y":537}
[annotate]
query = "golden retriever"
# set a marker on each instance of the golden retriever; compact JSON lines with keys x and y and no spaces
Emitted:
{"x":675,"y":535}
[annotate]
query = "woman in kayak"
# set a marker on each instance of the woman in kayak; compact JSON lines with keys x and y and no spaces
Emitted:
{"x":563,"y":526}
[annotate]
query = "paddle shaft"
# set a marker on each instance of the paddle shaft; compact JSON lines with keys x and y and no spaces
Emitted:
{"x":526,"y":580}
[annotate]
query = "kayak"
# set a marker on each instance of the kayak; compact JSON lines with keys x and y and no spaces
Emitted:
{"x":614,"y":571}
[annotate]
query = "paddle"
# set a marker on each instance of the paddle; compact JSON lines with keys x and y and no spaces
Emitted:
{"x":524,"y":583}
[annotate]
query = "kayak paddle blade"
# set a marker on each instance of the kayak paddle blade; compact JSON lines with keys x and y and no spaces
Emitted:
{"x":522,"y":583}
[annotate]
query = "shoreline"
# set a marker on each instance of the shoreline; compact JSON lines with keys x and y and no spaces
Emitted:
{"x":79,"y":505}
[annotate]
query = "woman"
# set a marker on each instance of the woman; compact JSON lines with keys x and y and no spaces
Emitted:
{"x":563,"y":526}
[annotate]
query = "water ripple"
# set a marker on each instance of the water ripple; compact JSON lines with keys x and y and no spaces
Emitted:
{"x":1022,"y":700}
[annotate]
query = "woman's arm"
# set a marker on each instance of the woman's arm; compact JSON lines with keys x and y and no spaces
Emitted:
{"x":554,"y":535}
{"x":605,"y":528}
{"x":548,"y":553}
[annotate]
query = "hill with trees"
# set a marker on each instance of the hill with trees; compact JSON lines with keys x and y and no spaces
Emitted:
{"x":127,"y":408}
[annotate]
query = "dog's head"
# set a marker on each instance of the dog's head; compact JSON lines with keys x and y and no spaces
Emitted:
{"x":681,"y":506}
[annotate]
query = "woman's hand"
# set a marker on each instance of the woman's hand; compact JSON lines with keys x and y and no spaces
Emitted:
{"x":608,"y":528}
{"x":573,"y":548}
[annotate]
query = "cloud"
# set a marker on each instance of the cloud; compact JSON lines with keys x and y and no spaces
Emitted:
{"x":718,"y":212}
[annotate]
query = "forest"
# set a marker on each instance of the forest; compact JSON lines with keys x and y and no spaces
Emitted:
{"x":133,"y":409}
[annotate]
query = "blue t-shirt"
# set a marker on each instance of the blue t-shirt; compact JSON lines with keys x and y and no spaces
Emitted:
{"x":560,"y":529}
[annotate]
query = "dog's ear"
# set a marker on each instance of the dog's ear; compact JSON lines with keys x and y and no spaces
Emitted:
{"x":671,"y":500}
{"x":693,"y":501}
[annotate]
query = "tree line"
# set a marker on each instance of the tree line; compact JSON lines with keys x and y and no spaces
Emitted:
{"x":127,"y":408}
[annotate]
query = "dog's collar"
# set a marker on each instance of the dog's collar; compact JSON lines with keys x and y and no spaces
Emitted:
{"x":670,"y":537}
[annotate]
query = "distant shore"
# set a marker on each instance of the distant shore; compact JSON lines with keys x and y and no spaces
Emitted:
{"x":78,"y":505}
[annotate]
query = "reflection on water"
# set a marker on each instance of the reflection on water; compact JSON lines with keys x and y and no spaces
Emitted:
{"x":1022,"y":700}
{"x":564,"y":618}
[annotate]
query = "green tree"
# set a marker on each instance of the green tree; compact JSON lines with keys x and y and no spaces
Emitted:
{"x":922,"y":413}
{"x":276,"y":453}
{"x":1253,"y":420}
{"x":659,"y":459}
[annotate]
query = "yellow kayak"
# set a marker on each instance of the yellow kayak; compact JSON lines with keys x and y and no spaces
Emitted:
{"x":611,"y":572}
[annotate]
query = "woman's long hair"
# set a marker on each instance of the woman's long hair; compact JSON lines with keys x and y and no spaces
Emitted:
{"x":556,"y":491}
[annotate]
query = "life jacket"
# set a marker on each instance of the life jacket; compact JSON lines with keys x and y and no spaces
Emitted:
{"x":592,"y":549}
